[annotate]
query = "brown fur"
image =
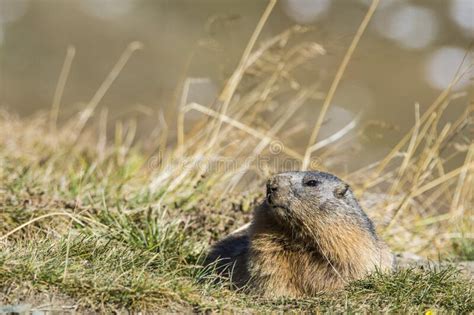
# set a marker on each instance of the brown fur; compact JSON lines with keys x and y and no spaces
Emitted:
{"x":302,"y":241}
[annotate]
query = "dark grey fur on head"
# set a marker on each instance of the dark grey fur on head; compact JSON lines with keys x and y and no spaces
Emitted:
{"x":295,"y":196}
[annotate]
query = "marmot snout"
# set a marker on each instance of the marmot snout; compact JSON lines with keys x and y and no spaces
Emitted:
{"x":309,"y":235}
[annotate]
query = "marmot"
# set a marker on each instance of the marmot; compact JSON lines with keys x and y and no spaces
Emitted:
{"x":310,"y":235}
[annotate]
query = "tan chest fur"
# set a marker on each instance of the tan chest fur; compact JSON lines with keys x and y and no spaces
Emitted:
{"x":279,"y":267}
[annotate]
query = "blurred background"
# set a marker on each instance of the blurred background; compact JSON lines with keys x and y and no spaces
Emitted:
{"x":409,"y":54}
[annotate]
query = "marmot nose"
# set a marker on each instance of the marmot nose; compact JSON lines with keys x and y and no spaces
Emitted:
{"x":272,"y":185}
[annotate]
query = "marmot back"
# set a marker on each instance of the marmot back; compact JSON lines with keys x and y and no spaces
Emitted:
{"x":309,"y":235}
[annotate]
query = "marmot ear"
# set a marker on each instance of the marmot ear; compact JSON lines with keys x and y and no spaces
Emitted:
{"x":341,"y":190}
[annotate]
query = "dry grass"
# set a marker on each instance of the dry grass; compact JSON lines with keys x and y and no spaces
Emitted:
{"x":115,"y":225}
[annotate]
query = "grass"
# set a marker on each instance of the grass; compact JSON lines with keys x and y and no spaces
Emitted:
{"x":122,"y":223}
{"x":107,"y":275}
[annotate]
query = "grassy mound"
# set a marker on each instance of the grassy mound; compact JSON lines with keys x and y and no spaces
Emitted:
{"x":96,"y":226}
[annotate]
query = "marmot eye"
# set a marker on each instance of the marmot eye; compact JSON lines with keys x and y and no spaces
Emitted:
{"x":312,"y":183}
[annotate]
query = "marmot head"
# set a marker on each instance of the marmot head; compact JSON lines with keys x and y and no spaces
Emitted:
{"x":315,"y":203}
